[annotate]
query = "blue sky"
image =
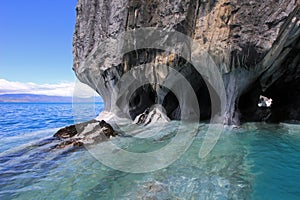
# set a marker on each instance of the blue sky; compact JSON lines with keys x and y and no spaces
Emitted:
{"x":36,"y":41}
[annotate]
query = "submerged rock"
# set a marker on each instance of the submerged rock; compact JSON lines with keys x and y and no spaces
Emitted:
{"x":254,"y":44}
{"x":90,"y":132}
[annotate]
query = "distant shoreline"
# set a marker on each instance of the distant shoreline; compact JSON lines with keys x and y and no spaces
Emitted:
{"x":35,"y":98}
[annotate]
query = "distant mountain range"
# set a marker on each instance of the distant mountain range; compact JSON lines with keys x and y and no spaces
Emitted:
{"x":36,"y":98}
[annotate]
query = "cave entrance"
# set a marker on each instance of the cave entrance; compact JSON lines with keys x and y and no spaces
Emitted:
{"x":280,"y":102}
{"x":286,"y":100}
{"x":146,"y":96}
{"x":143,"y":98}
{"x":255,"y":105}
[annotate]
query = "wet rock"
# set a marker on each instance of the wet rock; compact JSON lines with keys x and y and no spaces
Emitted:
{"x":140,"y":119}
{"x":71,"y":131}
{"x":155,"y":115}
{"x":107,"y":129}
{"x":90,"y":132}
{"x":67,"y":143}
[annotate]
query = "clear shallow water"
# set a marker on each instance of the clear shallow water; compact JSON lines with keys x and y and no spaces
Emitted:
{"x":256,"y":161}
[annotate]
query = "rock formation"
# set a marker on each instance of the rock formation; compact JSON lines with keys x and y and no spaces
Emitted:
{"x":254,"y":44}
{"x":156,"y":115}
{"x":90,"y":132}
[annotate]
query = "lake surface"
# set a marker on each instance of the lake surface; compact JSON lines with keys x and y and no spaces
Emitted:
{"x":256,"y":161}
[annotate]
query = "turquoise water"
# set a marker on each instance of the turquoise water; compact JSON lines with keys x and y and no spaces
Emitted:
{"x":256,"y":161}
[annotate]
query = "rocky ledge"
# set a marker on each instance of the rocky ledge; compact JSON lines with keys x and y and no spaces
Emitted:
{"x":90,"y":132}
{"x":255,"y":46}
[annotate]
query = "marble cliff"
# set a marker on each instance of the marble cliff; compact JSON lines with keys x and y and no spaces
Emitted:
{"x":255,"y":45}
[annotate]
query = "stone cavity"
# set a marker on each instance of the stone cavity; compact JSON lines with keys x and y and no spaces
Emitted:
{"x":254,"y":44}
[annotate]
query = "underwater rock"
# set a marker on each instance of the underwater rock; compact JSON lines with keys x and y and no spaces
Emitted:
{"x":90,"y":132}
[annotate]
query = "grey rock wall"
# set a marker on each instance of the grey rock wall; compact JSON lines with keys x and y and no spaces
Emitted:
{"x":254,"y":44}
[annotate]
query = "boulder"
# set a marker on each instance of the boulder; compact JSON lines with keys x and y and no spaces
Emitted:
{"x":90,"y":132}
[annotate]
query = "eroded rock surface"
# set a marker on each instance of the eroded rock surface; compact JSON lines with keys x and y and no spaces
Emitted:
{"x":155,"y":115}
{"x":90,"y":132}
{"x":254,"y":44}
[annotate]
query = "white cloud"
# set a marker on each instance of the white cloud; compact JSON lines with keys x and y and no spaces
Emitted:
{"x":60,"y":89}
